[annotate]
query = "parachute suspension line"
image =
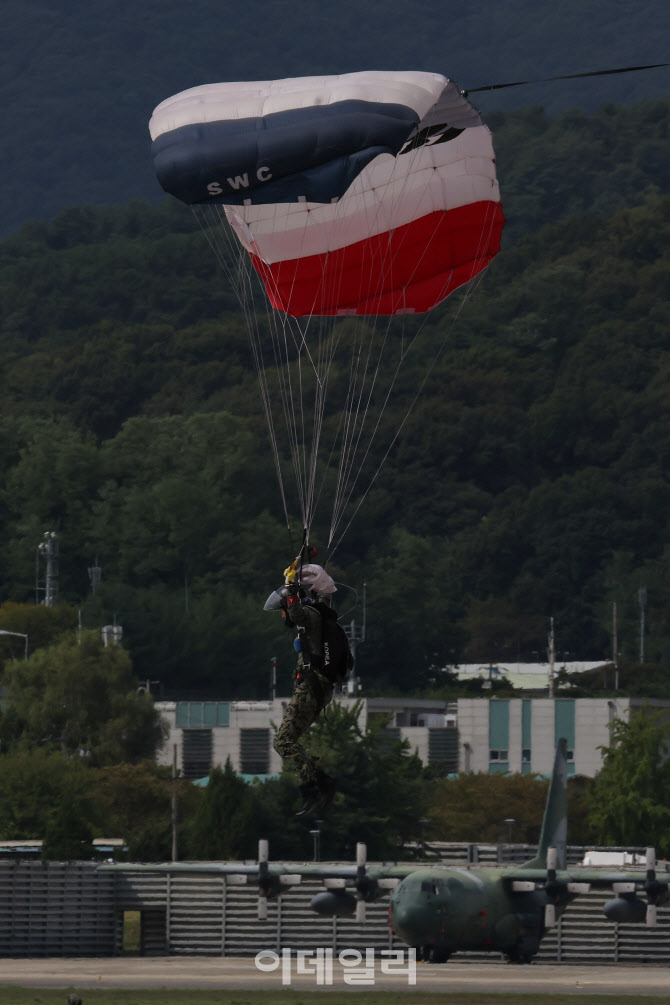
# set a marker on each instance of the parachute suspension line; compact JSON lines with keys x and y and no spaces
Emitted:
{"x":336,"y":337}
{"x":366,"y":249}
{"x":346,"y":483}
{"x":321,"y":359}
{"x":248,"y":294}
{"x":294,"y":397}
{"x":565,"y":76}
{"x":282,"y":331}
{"x":333,"y":330}
{"x":355,"y":416}
{"x":282,"y":334}
{"x":328,"y":340}
{"x":220,"y":239}
{"x":341,"y":502}
{"x":359,"y":394}
{"x":354,"y":412}
{"x":293,"y":394}
{"x":320,"y":350}
{"x":467,"y":293}
{"x":348,"y":490}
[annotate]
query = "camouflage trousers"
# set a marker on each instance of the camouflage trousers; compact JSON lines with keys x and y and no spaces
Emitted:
{"x":312,"y":692}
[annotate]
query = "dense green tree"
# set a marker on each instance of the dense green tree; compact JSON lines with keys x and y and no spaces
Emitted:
{"x":134,"y":802}
{"x":498,"y":630}
{"x":631,"y":798}
{"x":382,"y":791}
{"x":408,"y":588}
{"x":45,"y":795}
{"x":223,"y":825}
{"x":80,"y":697}
{"x":475,"y":807}
{"x":529,"y":480}
{"x":42,"y":625}
{"x":275,"y":801}
{"x":68,"y":834}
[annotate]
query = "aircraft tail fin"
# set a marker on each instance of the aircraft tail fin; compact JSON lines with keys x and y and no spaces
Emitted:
{"x":555,"y":821}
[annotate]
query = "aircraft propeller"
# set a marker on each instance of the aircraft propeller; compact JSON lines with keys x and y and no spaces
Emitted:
{"x":268,"y":885}
{"x":652,"y":887}
{"x":263,"y":879}
{"x":552,"y":888}
{"x":363,"y":884}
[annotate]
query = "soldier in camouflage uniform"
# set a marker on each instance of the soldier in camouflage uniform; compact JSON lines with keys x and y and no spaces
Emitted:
{"x":312,"y":691}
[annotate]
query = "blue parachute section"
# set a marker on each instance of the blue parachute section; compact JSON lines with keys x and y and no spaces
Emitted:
{"x":311,"y":153}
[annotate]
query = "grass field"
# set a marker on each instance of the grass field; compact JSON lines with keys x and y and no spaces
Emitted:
{"x":39,"y":996}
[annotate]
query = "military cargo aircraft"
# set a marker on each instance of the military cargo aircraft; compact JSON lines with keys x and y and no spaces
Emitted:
{"x":441,"y":910}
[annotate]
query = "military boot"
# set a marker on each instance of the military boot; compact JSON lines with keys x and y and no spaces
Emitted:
{"x":311,"y":797}
{"x":327,"y":788}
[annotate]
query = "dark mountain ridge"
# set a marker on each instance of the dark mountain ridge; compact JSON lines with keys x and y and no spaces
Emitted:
{"x":78,"y":85}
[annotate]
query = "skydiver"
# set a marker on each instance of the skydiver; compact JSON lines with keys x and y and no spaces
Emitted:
{"x":323,"y":660}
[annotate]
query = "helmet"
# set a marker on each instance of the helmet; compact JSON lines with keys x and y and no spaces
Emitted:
{"x":277,"y":599}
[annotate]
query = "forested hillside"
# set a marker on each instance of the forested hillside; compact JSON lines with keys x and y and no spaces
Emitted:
{"x":78,"y":85}
{"x":530,"y":480}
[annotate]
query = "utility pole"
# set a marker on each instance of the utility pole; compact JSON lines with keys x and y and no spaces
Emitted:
{"x":355,"y":634}
{"x":273,"y":678}
{"x":173,"y":802}
{"x":615,"y":648}
{"x":642,"y":600}
{"x":551,"y":652}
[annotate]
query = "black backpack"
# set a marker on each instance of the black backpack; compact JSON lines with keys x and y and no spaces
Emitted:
{"x":337,"y":658}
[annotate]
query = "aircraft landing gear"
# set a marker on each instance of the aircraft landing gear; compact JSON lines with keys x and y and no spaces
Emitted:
{"x":523,"y":951}
{"x":518,"y":957}
{"x":432,"y":954}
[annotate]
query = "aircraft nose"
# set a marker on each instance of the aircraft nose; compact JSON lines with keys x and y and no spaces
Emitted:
{"x":414,"y":921}
{"x":407,"y":922}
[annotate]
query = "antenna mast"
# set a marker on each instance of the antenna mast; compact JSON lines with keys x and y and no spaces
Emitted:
{"x":552,"y":657}
{"x":48,"y":551}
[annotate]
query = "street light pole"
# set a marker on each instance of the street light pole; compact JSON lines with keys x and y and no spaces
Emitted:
{"x":316,"y":834}
{"x":19,"y":635}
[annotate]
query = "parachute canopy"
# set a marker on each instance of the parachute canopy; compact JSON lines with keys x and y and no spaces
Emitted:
{"x":362,"y":194}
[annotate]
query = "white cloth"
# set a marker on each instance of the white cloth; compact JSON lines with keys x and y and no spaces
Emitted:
{"x":315,"y":578}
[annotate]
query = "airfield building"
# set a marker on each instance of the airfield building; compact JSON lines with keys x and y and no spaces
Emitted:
{"x":470,"y":734}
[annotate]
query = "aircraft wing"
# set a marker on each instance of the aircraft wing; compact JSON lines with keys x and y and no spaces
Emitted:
{"x":276,"y":878}
{"x":562,"y":885}
{"x":595,"y":878}
{"x":252,"y":871}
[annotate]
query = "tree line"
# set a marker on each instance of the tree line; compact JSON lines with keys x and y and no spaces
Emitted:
{"x":78,"y":739}
{"x":529,"y":481}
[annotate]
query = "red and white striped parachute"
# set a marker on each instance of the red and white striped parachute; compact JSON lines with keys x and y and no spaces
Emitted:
{"x":420,"y":215}
{"x":370,"y":193}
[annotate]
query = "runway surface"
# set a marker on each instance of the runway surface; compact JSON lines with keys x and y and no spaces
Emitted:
{"x":235,"y":973}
